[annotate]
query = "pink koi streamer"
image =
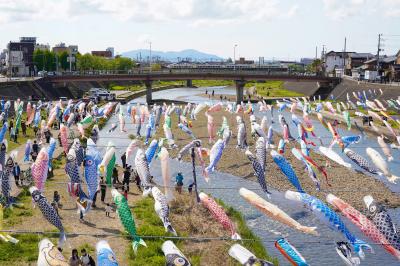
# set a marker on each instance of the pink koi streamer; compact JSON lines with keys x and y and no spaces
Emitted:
{"x":210,"y":128}
{"x":40,"y":168}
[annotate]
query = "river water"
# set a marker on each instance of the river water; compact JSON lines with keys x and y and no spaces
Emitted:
{"x":316,"y":250}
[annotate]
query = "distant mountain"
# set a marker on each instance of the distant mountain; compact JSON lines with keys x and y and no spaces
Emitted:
{"x":172,"y":56}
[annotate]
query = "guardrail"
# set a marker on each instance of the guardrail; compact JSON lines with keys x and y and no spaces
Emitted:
{"x":181,"y":71}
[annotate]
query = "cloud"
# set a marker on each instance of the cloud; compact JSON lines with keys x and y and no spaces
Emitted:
{"x":391,"y":7}
{"x":341,"y":9}
{"x":194,"y":12}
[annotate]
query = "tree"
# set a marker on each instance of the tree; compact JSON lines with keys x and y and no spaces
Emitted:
{"x":155,"y":67}
{"x":90,"y":62}
{"x":63,"y":60}
{"x":39,"y":60}
{"x":315,"y":66}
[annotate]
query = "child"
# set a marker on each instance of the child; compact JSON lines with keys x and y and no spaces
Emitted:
{"x":179,"y":182}
{"x":57,"y":199}
{"x":126,"y":194}
{"x":108,"y":210}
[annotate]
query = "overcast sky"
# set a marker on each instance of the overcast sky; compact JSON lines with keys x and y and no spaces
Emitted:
{"x":284,"y":29}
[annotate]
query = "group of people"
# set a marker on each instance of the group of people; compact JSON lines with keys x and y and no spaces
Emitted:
{"x":84,"y":260}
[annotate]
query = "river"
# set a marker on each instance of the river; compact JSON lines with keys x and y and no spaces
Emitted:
{"x":316,"y":250}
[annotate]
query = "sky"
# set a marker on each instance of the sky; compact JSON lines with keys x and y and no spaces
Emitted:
{"x":274,"y":29}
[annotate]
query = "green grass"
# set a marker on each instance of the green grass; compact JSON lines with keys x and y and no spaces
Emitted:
{"x":256,"y":246}
{"x":212,"y":83}
{"x":89,"y":248}
{"x":150,"y":224}
{"x":273,"y":88}
{"x":25,"y":250}
{"x":16,"y":215}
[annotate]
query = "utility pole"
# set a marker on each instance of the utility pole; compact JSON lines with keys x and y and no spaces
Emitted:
{"x":379,"y":49}
{"x":316,"y":52}
{"x":344,"y":56}
{"x":150,"y":58}
{"x":234,"y":56}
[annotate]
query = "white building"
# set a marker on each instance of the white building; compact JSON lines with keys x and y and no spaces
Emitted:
{"x":334,"y":61}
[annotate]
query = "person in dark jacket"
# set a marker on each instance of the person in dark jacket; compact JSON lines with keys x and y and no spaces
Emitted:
{"x":16,"y":173}
{"x":127,"y":176}
{"x":23,"y":127}
{"x":115,"y":176}
{"x":35,"y":150}
{"x":123,"y":160}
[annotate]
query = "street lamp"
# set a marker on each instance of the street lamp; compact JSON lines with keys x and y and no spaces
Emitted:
{"x":234,"y":56}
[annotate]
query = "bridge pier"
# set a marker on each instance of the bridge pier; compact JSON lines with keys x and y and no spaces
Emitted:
{"x":149,"y":98}
{"x":189,"y":83}
{"x":239,"y":90}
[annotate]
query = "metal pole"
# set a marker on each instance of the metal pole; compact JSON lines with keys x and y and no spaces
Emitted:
{"x":194,"y":174}
{"x":379,"y":49}
{"x":234,"y":56}
{"x":344,"y":56}
{"x":150,"y":58}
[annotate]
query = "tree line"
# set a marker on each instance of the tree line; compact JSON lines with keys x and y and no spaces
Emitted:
{"x":48,"y":60}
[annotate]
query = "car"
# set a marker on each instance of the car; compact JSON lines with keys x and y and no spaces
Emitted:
{"x":42,"y":73}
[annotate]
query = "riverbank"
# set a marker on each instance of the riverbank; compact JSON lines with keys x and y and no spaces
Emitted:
{"x":187,"y":217}
{"x":345,"y":183}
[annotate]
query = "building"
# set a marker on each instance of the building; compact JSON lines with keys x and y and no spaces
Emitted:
{"x":61,"y":47}
{"x":106,"y":54}
{"x":3,"y":56}
{"x":72,"y":51}
{"x":243,"y":61}
{"x":43,"y":47}
{"x":19,"y":57}
{"x":334,"y":61}
{"x":307,"y":61}
{"x":356,"y":60}
{"x":111,"y":49}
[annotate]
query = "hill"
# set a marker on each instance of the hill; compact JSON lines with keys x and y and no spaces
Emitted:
{"x":173,"y":56}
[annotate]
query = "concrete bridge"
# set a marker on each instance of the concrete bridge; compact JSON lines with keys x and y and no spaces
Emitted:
{"x":239,"y":77}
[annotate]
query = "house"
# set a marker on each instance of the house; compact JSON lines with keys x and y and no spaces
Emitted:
{"x":387,"y":67}
{"x":19,"y":57}
{"x":334,"y":61}
{"x":356,"y":60}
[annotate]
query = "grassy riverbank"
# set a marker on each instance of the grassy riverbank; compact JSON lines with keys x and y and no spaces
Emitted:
{"x":141,"y":86}
{"x":273,"y":88}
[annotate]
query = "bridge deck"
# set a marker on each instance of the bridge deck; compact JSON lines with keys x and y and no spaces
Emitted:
{"x":225,"y":75}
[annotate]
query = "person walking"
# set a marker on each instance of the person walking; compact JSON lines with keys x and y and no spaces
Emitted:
{"x":47,"y":134}
{"x":35,"y":150}
{"x":123,"y":160}
{"x":103,"y":189}
{"x":137,"y":179}
{"x":16,"y":173}
{"x":10,"y":126}
{"x":115,"y":176}
{"x":179,"y":182}
{"x":126,"y":179}
{"x":23,"y":128}
{"x":108,"y":210}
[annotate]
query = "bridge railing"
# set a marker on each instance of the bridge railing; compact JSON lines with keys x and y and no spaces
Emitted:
{"x":182,"y":71}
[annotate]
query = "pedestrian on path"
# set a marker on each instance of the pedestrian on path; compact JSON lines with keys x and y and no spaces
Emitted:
{"x":23,"y":128}
{"x":108,"y":210}
{"x":103,"y":189}
{"x":16,"y":173}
